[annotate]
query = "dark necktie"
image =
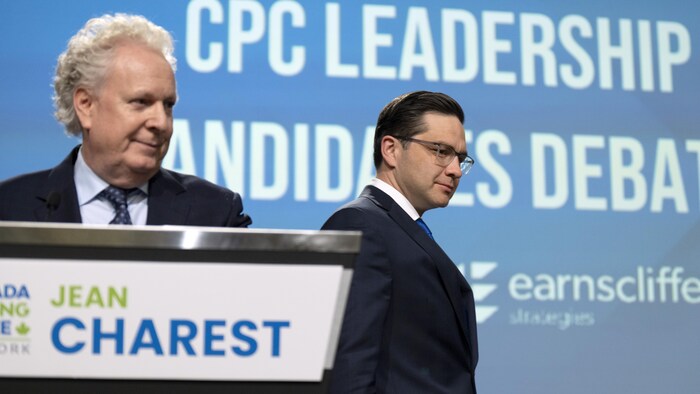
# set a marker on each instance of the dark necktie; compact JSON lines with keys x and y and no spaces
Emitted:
{"x":118,"y":198}
{"x":425,"y":228}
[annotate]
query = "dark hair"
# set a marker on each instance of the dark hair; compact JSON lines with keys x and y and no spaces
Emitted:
{"x":403,"y":116}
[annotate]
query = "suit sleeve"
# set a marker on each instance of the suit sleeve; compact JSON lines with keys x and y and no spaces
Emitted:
{"x":354,"y":370}
{"x":236,"y":217}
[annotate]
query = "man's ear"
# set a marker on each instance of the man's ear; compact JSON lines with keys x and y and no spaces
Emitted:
{"x":83,"y":103}
{"x":391,"y":150}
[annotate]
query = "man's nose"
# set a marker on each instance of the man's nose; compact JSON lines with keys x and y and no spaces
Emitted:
{"x":454,"y":169}
{"x":159,"y":117}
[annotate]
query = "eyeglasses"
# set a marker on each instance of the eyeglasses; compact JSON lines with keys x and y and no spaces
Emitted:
{"x":444,"y":154}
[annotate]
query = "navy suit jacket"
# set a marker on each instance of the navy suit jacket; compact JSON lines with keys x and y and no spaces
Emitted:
{"x":173,"y":198}
{"x":410,"y":323}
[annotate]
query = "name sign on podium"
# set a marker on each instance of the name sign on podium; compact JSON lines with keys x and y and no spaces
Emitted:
{"x":171,"y":304}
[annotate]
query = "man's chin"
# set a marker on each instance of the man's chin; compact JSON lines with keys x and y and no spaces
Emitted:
{"x":439,"y":203}
{"x":443,"y":199}
{"x":145,"y":168}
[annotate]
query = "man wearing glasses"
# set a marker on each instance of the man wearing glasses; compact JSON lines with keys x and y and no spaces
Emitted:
{"x":410,"y":324}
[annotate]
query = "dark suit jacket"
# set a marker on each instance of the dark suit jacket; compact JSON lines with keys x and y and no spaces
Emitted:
{"x":173,"y":198}
{"x":410,"y":324}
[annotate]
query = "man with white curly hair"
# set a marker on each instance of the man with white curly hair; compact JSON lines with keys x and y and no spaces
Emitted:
{"x":115,"y":87}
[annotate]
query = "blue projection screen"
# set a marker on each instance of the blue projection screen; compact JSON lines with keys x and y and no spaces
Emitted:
{"x":579,"y":226}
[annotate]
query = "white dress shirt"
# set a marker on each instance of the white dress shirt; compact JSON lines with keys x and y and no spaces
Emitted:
{"x":396,"y":195}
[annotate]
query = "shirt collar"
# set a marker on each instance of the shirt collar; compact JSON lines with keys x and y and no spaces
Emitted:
{"x":396,"y":195}
{"x":89,"y":185}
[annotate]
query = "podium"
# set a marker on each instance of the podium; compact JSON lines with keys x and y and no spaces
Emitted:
{"x":170,"y":309}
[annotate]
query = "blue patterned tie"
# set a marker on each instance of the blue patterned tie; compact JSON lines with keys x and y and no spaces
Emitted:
{"x":425,"y":228}
{"x":117,"y":197}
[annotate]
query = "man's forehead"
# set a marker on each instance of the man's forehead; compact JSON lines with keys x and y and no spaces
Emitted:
{"x":445,"y":129}
{"x":131,"y":55}
{"x":137,"y":64}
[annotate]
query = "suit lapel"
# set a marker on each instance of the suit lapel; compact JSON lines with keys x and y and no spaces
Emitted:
{"x":60,"y":180}
{"x":452,"y":279}
{"x":168,"y":202}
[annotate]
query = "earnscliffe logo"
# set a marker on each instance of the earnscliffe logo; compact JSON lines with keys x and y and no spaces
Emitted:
{"x":478,"y":270}
{"x":667,"y":284}
{"x":647,"y":285}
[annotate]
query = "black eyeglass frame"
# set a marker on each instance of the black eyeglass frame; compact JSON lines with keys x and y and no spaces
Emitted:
{"x":443,"y":152}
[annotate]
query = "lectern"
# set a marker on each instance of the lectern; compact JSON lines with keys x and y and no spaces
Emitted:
{"x":170,"y":309}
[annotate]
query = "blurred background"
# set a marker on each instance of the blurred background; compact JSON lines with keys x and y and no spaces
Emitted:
{"x":579,"y":225}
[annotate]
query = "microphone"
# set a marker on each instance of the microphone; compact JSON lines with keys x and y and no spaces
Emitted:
{"x":53,"y":200}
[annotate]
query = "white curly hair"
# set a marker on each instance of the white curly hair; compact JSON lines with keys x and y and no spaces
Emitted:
{"x":89,"y":52}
